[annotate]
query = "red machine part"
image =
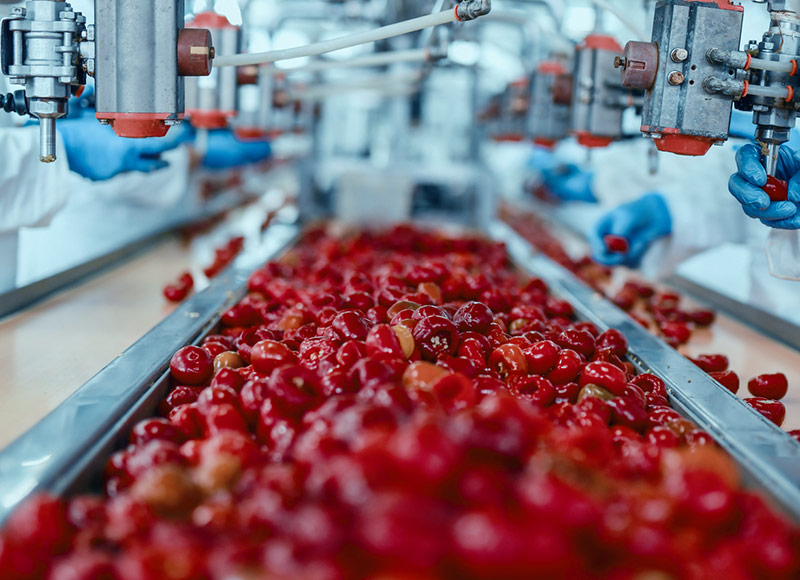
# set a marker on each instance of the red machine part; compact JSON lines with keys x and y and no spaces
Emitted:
{"x":139,"y":125}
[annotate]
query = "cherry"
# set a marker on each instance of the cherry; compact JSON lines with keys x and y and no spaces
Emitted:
{"x":702,"y":317}
{"x":436,"y":336}
{"x":605,"y":375}
{"x":473,"y":316}
{"x":383,"y":340}
{"x":268,"y":355}
{"x":151,"y":429}
{"x":772,"y":410}
{"x":616,"y":244}
{"x":508,"y":359}
{"x":175,"y":293}
{"x":350,"y":325}
{"x":191,"y":365}
{"x":712,"y":363}
{"x":774,"y":386}
{"x":542,"y":356}
{"x":776,"y":189}
{"x":568,"y":366}
{"x":728,"y":379}
{"x":679,"y":332}
{"x":578,"y":340}
{"x":613,"y":339}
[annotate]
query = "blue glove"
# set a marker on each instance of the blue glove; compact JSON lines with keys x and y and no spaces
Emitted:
{"x":566,"y":182}
{"x":746,"y":184}
{"x":641,"y":222}
{"x":95,"y":152}
{"x":225,"y":151}
{"x":570,"y":183}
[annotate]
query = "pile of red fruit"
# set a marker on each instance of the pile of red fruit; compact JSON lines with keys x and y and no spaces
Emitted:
{"x":405,"y":405}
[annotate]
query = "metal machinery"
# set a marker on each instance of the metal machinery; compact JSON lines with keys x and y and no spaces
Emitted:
{"x":693,"y":72}
{"x":211,"y":101}
{"x":598,"y":97}
{"x":49,"y":49}
{"x":255,"y":103}
{"x":551,"y":95}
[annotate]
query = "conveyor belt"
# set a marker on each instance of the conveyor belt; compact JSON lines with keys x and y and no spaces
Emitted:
{"x":98,"y":417}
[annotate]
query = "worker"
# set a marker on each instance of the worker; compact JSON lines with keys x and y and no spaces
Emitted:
{"x":668,"y":217}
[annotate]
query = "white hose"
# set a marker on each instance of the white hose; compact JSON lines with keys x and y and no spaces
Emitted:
{"x":622,"y":17}
{"x":377,"y":59}
{"x":340,"y":43}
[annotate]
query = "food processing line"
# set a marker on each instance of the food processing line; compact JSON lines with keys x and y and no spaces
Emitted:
{"x":684,"y":83}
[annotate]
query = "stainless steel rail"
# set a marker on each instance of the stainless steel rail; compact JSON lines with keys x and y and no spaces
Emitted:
{"x":65,"y":450}
{"x":765,"y":453}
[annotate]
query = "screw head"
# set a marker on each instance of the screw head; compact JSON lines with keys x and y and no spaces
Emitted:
{"x":676,"y":78}
{"x":620,"y":62}
{"x":679,"y":55}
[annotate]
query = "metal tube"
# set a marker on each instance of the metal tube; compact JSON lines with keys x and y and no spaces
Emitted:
{"x":47,"y":139}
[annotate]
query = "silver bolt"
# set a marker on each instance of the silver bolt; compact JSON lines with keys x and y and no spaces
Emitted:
{"x":104,"y":121}
{"x":679,"y":55}
{"x":676,"y":78}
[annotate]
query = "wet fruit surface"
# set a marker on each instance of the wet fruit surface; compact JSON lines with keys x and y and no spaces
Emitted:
{"x":776,"y":189}
{"x":405,"y":405}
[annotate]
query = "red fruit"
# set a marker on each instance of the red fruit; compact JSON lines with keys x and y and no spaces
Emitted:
{"x":616,"y":244}
{"x":455,"y":392}
{"x":542,"y":357}
{"x":711,"y":363}
{"x":677,"y":331}
{"x":538,"y":390}
{"x":702,"y":317}
{"x":229,"y":378}
{"x":776,"y":189}
{"x":350,"y":325}
{"x":175,"y":293}
{"x":568,"y":365}
{"x":187,"y":420}
{"x":628,"y":411}
{"x":268,"y":355}
{"x":383,"y":340}
{"x":728,"y":379}
{"x":436,"y":336}
{"x":772,"y":410}
{"x":613,"y":339}
{"x":474,"y":316}
{"x":192,"y":365}
{"x":578,"y":340}
{"x":213,"y":396}
{"x":294,"y":389}
{"x":663,"y":437}
{"x":40,"y":525}
{"x":650,"y":384}
{"x":795,"y":434}
{"x":182,"y":395}
{"x":508,"y":359}
{"x":606,"y":375}
{"x":220,"y":418}
{"x":774,"y":386}
{"x":151,"y":429}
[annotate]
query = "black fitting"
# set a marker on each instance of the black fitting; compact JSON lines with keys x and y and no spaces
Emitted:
{"x":14,"y":103}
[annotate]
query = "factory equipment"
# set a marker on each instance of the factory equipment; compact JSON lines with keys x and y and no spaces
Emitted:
{"x":598,"y":98}
{"x":551,"y":95}
{"x":211,"y":100}
{"x":693,"y":72}
{"x":49,"y":48}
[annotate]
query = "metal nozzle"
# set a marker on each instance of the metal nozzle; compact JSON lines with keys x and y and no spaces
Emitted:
{"x":47,"y":139}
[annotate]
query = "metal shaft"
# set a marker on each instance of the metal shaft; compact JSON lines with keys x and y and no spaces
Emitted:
{"x":47,"y":139}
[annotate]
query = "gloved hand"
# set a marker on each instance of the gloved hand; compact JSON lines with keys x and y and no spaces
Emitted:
{"x":95,"y":152}
{"x":746,"y":184}
{"x":225,"y":151}
{"x":641,"y":222}
{"x":570,"y":183}
{"x":565,"y":182}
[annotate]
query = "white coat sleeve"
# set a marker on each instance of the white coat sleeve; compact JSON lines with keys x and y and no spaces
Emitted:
{"x":783,"y":253}
{"x":702,"y":211}
{"x":31,"y":192}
